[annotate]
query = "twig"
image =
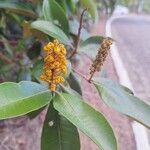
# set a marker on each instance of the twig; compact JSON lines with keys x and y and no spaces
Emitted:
{"x":89,"y":80}
{"x":80,"y":74}
{"x":79,"y":33}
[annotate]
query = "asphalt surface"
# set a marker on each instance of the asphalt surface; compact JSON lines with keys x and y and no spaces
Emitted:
{"x":132,"y":35}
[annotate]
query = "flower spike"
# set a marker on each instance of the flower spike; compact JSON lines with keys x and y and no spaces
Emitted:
{"x":55,"y":64}
{"x":101,"y":56}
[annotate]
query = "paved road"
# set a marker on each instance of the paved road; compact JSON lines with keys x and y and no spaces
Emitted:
{"x":132,"y":35}
{"x":133,"y":41}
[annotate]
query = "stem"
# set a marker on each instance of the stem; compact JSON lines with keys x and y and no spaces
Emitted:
{"x":52,"y":82}
{"x":80,"y":74}
{"x":53,"y":94}
{"x":79,"y":33}
{"x":91,"y":77}
{"x":89,"y":80}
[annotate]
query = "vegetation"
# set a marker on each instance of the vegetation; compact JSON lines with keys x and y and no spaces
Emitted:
{"x":25,"y":29}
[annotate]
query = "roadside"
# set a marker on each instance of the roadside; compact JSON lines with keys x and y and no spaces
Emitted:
{"x":132,"y":35}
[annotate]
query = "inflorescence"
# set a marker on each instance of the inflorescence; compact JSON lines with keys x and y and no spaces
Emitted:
{"x":101,"y":56}
{"x":55,"y":64}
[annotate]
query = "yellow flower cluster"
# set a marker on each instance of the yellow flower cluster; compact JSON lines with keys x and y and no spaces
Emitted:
{"x":55,"y":65}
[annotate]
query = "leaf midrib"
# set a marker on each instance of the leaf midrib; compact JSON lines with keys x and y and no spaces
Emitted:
{"x":59,"y":132}
{"x":83,"y":129}
{"x":28,"y":97}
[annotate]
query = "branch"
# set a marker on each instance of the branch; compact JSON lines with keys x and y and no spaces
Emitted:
{"x":80,"y":74}
{"x":89,"y":80}
{"x":78,"y":36}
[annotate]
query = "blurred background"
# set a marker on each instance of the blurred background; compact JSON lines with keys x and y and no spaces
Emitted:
{"x":126,"y":21}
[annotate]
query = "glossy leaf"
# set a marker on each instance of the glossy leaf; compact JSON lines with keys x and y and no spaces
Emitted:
{"x":46,"y":10}
{"x":51,"y":30}
{"x":72,"y":5}
{"x":54,"y":12}
{"x":124,"y":102}
{"x":91,"y":45}
{"x":74,"y":83}
{"x":87,"y":119}
{"x":92,"y":8}
{"x":93,"y":40}
{"x":58,"y":133}
{"x":63,"y":4}
{"x":18,"y":7}
{"x":18,"y":99}
{"x":127,"y":89}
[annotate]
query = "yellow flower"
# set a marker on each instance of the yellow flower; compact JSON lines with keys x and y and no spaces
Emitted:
{"x":57,"y":49}
{"x":55,"y":64}
{"x":48,"y":58}
{"x":59,"y":79}
{"x":53,"y":87}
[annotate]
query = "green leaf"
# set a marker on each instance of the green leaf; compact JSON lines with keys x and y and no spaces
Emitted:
{"x":47,"y":10}
{"x":54,"y":12}
{"x":51,"y":30}
{"x":63,"y":4}
{"x":58,"y":133}
{"x":72,"y":5}
{"x":124,"y":102}
{"x":126,"y":89}
{"x":91,"y":45}
{"x":18,"y":7}
{"x":18,"y":99}
{"x":74,"y":83}
{"x":87,"y":119}
{"x":93,"y":40}
{"x":92,"y":8}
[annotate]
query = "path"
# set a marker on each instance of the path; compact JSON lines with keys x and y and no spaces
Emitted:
{"x":132,"y":34}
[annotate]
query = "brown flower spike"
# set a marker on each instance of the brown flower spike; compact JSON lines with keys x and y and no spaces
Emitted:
{"x":101,"y":56}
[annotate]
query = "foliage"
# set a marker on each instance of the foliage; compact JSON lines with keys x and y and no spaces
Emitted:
{"x":25,"y":28}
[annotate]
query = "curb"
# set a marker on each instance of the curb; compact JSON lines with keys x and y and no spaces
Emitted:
{"x":141,"y":137}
